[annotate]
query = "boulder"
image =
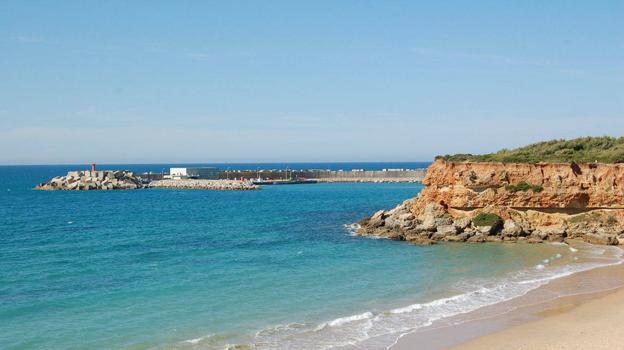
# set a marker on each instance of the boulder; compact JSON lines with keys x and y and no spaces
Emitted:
{"x":478,"y":238}
{"x":446,"y":230}
{"x":456,"y":238}
{"x":377,"y":220}
{"x":511,"y":229}
{"x":461,"y":223}
{"x":429,"y":223}
{"x":603,"y":239}
{"x":485,"y":230}
{"x":432,"y":212}
{"x":421,"y":240}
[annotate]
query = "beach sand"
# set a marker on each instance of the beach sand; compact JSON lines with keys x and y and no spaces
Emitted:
{"x":581,"y":311}
{"x":598,"y":324}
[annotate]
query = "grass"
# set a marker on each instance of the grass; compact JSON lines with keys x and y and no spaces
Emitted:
{"x":524,"y":186}
{"x":604,"y":149}
{"x":487,"y":219}
{"x":586,"y":217}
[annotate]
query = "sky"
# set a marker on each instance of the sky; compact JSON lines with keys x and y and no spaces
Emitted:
{"x":287,"y":81}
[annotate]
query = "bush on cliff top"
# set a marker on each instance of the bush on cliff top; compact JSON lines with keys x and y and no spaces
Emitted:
{"x":603,"y":149}
{"x":487,"y":219}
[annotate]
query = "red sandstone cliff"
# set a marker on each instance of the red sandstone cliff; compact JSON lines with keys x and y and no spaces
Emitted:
{"x":537,"y":201}
{"x":477,"y":185}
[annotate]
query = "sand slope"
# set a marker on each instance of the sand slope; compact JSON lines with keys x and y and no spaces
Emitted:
{"x":598,"y":324}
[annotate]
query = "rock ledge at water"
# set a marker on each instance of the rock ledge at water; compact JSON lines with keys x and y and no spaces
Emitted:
{"x":93,"y":180}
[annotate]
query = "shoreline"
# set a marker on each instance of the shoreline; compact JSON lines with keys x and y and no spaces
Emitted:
{"x":456,"y":318}
{"x":544,"y":318}
{"x":591,"y":324}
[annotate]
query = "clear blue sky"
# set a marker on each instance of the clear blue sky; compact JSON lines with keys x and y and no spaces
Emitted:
{"x":183,"y":81}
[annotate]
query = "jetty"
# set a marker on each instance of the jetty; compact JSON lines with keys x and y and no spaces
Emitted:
{"x":204,"y":184}
{"x":94,"y":180}
{"x":211,"y":178}
{"x":327,"y":175}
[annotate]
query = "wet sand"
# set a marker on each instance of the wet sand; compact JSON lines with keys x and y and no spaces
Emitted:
{"x":581,"y":311}
{"x":598,"y":324}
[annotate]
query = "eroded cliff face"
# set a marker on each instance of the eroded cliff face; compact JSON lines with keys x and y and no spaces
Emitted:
{"x":535,"y":202}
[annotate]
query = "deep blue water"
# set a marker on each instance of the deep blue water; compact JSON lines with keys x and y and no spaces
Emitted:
{"x":184,"y":269}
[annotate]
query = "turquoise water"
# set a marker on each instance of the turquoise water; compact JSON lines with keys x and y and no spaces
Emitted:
{"x":276,"y":268}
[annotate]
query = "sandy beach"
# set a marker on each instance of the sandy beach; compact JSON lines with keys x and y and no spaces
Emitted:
{"x":581,"y":311}
{"x":597,"y":324}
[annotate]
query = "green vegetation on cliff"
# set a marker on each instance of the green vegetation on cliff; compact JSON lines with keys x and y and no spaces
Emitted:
{"x":487,"y":219}
{"x":524,"y":186}
{"x":603,"y":149}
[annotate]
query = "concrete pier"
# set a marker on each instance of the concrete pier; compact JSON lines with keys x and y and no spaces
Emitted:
{"x":409,"y":175}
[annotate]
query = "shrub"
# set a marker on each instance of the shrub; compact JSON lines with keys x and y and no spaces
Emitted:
{"x":487,"y":219}
{"x":524,"y":186}
{"x":603,"y":149}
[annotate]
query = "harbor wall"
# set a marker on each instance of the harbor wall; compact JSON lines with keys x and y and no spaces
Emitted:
{"x":412,"y":175}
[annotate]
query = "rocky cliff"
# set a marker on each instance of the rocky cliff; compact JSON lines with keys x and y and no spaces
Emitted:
{"x":486,"y":201}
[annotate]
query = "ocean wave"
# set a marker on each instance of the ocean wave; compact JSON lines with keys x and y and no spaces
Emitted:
{"x":198,"y":340}
{"x":342,"y":320}
{"x":363,"y":327}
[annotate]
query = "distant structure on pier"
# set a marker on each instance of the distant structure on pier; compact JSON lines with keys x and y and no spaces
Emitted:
{"x":210,"y":173}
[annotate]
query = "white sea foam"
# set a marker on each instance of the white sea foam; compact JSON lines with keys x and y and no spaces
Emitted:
{"x":342,"y":320}
{"x":197,"y":340}
{"x":352,"y":228}
{"x":409,"y":308}
{"x":371,"y":326}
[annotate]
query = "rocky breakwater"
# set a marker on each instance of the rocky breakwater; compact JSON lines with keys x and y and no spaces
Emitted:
{"x":484,"y":201}
{"x":201,"y":184}
{"x":94,"y":180}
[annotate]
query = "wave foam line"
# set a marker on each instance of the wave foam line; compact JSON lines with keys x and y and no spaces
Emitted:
{"x":354,"y":329}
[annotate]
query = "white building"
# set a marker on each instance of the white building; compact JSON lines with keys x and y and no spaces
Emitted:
{"x":194,"y":173}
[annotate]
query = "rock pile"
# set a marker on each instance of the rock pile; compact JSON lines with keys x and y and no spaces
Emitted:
{"x":202,"y":184}
{"x":436,"y":224}
{"x":94,"y":180}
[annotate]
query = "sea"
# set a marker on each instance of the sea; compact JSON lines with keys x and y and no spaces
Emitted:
{"x":277,"y":268}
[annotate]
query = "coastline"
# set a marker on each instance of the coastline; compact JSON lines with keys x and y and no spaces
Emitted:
{"x":585,"y":272}
{"x":592,"y":325}
{"x":552,"y":316}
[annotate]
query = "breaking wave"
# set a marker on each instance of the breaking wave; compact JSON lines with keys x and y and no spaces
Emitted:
{"x":386,"y":326}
